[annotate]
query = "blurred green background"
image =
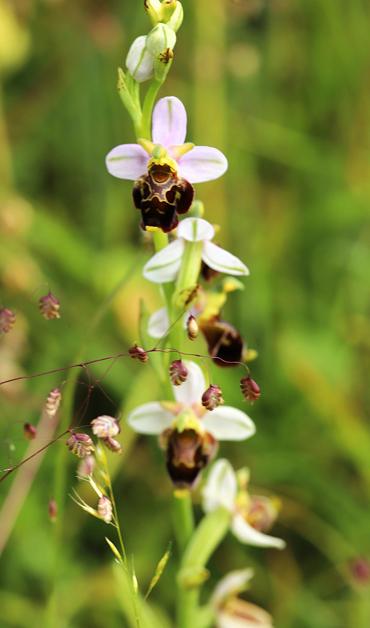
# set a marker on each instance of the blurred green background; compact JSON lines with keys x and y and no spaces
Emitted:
{"x":282,"y":87}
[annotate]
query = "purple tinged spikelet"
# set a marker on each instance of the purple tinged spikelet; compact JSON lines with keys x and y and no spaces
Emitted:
{"x":138,"y":353}
{"x":49,"y":306}
{"x":80,"y":444}
{"x":29,"y":431}
{"x":112,"y":444}
{"x":250,"y":389}
{"x":212,"y":397}
{"x":105,"y":509}
{"x":53,"y":402}
{"x":7,"y":320}
{"x":178,"y":372}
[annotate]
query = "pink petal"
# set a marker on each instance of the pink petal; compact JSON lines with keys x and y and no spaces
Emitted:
{"x":169,"y":122}
{"x":127,"y":161}
{"x":202,"y":163}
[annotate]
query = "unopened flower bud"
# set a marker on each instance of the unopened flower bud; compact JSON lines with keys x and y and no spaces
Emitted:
{"x":86,"y":466}
{"x":160,"y":39}
{"x":139,"y":61}
{"x":153,"y":9}
{"x":112,"y":444}
{"x":105,"y":426}
{"x":105,"y":509}
{"x":138,"y":353}
{"x":250,"y":389}
{"x":29,"y":431}
{"x":178,"y":372}
{"x":80,"y":444}
{"x":192,"y":327}
{"x":52,"y":510}
{"x":49,"y":306}
{"x":172,"y":14}
{"x":7,"y":320}
{"x":53,"y":402}
{"x":212,"y":397}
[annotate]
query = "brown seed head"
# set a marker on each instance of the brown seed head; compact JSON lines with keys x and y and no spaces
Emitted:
{"x":250,"y":389}
{"x":53,"y":402}
{"x":52,"y":510}
{"x":105,"y":509}
{"x":192,"y":327}
{"x":138,"y":353}
{"x":105,"y":426}
{"x":86,"y":466}
{"x":178,"y":372}
{"x":29,"y":431}
{"x":7,"y":320}
{"x":49,"y":306}
{"x":80,"y":444}
{"x":112,"y":444}
{"x":212,"y":397}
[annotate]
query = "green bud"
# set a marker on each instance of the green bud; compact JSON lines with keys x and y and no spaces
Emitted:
{"x":176,"y":18}
{"x":154,"y":10}
{"x":139,"y":60}
{"x":160,"y":39}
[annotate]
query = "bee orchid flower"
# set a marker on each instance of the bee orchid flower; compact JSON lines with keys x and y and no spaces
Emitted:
{"x":165,"y":168}
{"x":249,"y":515}
{"x":165,"y":265}
{"x":188,"y":432}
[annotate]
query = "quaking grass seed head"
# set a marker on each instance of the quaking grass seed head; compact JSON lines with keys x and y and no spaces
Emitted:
{"x":250,"y":389}
{"x":138,"y":353}
{"x":212,"y":397}
{"x":178,"y":372}
{"x":80,"y":444}
{"x":49,"y":306}
{"x":7,"y":320}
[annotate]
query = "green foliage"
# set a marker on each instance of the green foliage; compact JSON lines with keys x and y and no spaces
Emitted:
{"x":282,"y":88}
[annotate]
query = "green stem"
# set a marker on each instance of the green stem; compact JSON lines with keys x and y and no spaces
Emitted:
{"x":183,"y":520}
{"x":126,"y":567}
{"x":62,"y":461}
{"x":146,"y":119}
{"x":186,"y":281}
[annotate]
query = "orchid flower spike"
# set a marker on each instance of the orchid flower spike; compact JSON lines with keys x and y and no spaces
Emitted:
{"x":165,"y":168}
{"x":164,"y":265}
{"x":221,"y":490}
{"x":188,"y":431}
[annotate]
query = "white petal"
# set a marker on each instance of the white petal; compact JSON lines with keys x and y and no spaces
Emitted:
{"x":195,"y":230}
{"x":158,"y":323}
{"x":151,"y":418}
{"x":217,"y":258}
{"x":139,"y":61}
{"x":221,"y":487}
{"x":227,"y":423}
{"x":192,"y":390}
{"x":246,"y":534}
{"x":165,"y":264}
{"x":202,"y":163}
{"x":169,"y":122}
{"x":127,"y":161}
{"x":232,"y":584}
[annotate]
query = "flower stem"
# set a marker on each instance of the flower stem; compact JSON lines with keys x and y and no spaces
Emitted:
{"x":146,"y":119}
{"x":183,"y":520}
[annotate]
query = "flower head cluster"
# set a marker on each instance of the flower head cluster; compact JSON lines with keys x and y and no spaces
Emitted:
{"x":189,"y":432}
{"x":165,"y":168}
